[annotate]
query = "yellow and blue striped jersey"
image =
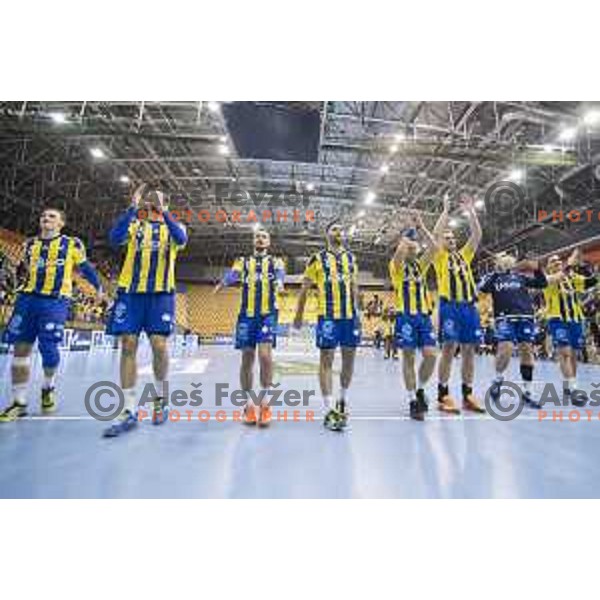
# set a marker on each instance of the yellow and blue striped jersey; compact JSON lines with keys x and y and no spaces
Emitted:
{"x":410,"y":286}
{"x":49,"y":263}
{"x":455,"y":280}
{"x":562,"y":298}
{"x":149,"y":265}
{"x":336,"y":275}
{"x":258,"y":278}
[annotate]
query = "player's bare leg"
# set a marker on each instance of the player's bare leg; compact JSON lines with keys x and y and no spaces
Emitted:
{"x":467,"y":352}
{"x":503,"y":355}
{"x":265,"y":360}
{"x":410,"y":382}
{"x":427,"y":366}
{"x":20,"y":373}
{"x":160,"y":366}
{"x":445,"y":401}
{"x":326,"y":377}
{"x":348,"y":358}
{"x":128,"y":367}
{"x":567,"y":360}
{"x":527,"y":360}
{"x":246,"y":382}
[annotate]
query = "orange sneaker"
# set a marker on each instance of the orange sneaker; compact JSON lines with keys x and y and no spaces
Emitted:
{"x":446,"y":404}
{"x":470,"y":403}
{"x":250,"y":417}
{"x":265,"y":415}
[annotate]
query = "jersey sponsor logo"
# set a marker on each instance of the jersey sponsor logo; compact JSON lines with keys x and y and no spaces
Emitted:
{"x":449,"y":327}
{"x":42,"y":263}
{"x":258,"y":277}
{"x":328,"y":328}
{"x":120,"y":312}
{"x":501,"y":286}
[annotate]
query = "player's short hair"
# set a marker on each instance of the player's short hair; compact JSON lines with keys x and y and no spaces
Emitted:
{"x":60,"y":211}
{"x":409,"y":233}
{"x":331,"y":224}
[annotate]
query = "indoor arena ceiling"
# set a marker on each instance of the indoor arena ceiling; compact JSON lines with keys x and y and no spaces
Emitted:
{"x":363,"y":162}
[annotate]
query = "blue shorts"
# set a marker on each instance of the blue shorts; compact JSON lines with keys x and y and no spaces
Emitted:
{"x":516,"y":330}
{"x":37,"y":317}
{"x":256,"y":330}
{"x":332,"y":333}
{"x":567,"y":333}
{"x":459,"y":322}
{"x":414,"y":331}
{"x":133,"y":313}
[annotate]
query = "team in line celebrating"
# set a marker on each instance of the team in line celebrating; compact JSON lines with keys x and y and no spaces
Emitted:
{"x":145,"y":301}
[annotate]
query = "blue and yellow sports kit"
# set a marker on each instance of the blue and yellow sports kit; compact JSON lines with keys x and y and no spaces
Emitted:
{"x":458,"y":315}
{"x":146,"y":286}
{"x":260,"y":276}
{"x":413,"y":304}
{"x":336,"y":276}
{"x":564,"y":310}
{"x":42,"y":305}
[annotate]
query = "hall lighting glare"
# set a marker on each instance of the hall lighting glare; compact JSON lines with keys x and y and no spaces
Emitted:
{"x":516,"y":175}
{"x":124,"y":179}
{"x":567,"y":134}
{"x":256,"y":226}
{"x":479,"y":204}
{"x":223,"y":139}
{"x":370,"y":198}
{"x":58,"y":117}
{"x":399,"y":137}
{"x":453,"y":223}
{"x":384,"y":168}
{"x":377,"y":240}
{"x":223,"y":150}
{"x":394,"y":148}
{"x":310,"y":187}
{"x":97,"y":152}
{"x":213,"y":106}
{"x":361,"y":213}
{"x":592,"y":117}
{"x":548,"y":148}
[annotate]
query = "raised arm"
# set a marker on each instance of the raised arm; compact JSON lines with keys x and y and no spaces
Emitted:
{"x":442,"y":223}
{"x":400,"y":253}
{"x":119,"y":234}
{"x":231,"y":276}
{"x":468,"y":206}
{"x":176,"y":230}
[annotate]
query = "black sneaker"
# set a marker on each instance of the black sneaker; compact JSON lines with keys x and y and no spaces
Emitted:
{"x":343,"y":415}
{"x":416,"y":411}
{"x":422,"y":401}
{"x":13,"y":412}
{"x":160,"y":411}
{"x":529,"y":401}
{"x":495,"y":390}
{"x":48,"y":400}
{"x":334,"y":420}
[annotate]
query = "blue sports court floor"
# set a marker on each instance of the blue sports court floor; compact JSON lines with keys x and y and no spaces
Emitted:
{"x":381,"y":455}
